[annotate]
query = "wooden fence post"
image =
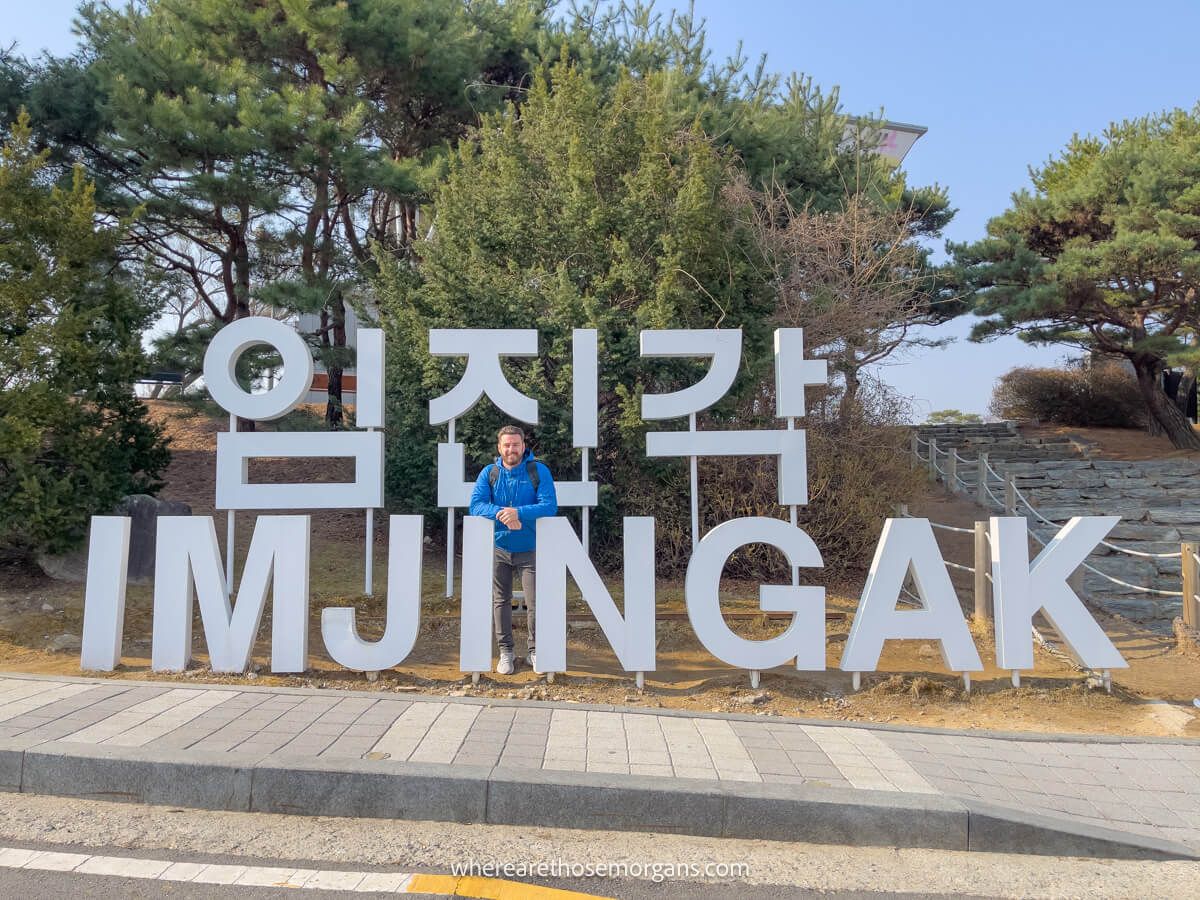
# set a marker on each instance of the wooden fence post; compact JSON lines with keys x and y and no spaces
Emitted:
{"x":981,"y":468}
{"x":1191,"y":583}
{"x":916,"y":450}
{"x":983,"y":587}
{"x":952,"y":470}
{"x":932,"y":458}
{"x":1010,"y":496}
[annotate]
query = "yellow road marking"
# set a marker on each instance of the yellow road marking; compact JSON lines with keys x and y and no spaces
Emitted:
{"x":432,"y":884}
{"x":490,"y":889}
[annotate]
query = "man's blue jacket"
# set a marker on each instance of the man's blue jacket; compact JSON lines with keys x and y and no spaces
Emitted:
{"x":513,"y":488}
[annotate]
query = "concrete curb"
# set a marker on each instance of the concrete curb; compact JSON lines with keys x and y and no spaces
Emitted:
{"x":1001,"y":829}
{"x":505,"y":796}
{"x":1026,"y":736}
{"x":199,"y":780}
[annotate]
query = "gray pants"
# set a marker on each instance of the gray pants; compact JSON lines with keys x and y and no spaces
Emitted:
{"x":506,"y":565}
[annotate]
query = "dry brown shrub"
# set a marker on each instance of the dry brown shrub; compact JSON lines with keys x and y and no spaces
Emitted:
{"x":857,"y":279}
{"x":858,"y":470}
{"x":917,"y":687}
{"x":1104,"y":395}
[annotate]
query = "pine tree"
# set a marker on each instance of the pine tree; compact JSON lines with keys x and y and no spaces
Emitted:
{"x":589,"y":207}
{"x":74,"y":438}
{"x":1104,"y":255}
{"x":270,"y":144}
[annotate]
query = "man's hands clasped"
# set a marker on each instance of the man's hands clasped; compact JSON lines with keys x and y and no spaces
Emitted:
{"x":509,"y":517}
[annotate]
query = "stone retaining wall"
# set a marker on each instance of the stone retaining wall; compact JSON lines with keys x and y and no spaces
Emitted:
{"x":1159,"y":505}
{"x":1158,"y":502}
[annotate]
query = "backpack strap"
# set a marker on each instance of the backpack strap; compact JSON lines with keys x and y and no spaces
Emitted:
{"x":531,"y":469}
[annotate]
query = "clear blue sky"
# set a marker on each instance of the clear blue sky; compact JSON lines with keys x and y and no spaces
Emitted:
{"x":1000,"y":86}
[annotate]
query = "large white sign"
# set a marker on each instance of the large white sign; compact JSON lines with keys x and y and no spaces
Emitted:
{"x":188,"y":568}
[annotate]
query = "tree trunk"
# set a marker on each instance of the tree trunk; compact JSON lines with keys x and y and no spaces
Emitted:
{"x":334,"y":417}
{"x":1161,"y":408}
{"x":1183,"y":393}
{"x":333,"y":405}
{"x":849,"y":405}
{"x":241,"y":309}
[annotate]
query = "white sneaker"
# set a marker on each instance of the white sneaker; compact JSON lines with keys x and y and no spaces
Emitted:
{"x":507,"y":664}
{"x":532,"y":660}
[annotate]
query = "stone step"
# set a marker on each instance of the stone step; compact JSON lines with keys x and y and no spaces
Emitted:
{"x":1132,"y":531}
{"x":968,"y":426}
{"x":1035,"y":455}
{"x":1155,"y":613}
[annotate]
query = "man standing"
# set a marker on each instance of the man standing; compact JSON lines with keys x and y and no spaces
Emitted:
{"x":515,"y":491}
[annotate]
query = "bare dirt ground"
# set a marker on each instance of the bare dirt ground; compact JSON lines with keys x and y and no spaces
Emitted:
{"x":40,"y":621}
{"x":1116,"y":443}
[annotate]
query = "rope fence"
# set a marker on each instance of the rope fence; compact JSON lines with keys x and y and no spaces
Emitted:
{"x":1136,"y":587}
{"x":950,"y":527}
{"x":983,"y":492}
{"x":987,"y":462}
{"x":1020,"y":496}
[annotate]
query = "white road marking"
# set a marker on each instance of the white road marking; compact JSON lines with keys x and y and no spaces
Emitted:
{"x":203,"y":873}
{"x":50,"y":861}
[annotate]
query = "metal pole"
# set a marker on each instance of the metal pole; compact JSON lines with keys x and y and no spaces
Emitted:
{"x":791,"y":426}
{"x":587,"y":547}
{"x":368,"y":579}
{"x":450,"y":536}
{"x":695,"y":489}
{"x":983,"y":587}
{"x":369,"y":561}
{"x":229,"y":531}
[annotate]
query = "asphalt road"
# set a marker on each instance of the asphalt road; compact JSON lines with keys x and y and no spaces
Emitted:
{"x":70,"y":886}
{"x":145,"y":834}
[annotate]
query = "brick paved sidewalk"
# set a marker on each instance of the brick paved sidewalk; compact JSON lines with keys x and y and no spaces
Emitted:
{"x":1147,"y":787}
